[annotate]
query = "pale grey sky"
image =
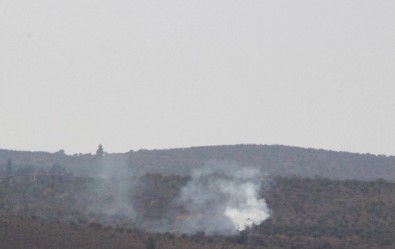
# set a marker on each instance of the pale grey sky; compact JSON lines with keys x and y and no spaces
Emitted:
{"x":162,"y":74}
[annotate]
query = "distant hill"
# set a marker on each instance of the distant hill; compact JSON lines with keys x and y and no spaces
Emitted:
{"x":54,"y":200}
{"x":274,"y":160}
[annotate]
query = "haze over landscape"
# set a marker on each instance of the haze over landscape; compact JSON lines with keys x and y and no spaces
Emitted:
{"x":265,"y":124}
{"x":166,"y":74}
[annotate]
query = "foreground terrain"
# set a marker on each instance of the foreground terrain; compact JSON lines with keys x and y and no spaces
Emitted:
{"x":306,"y":213}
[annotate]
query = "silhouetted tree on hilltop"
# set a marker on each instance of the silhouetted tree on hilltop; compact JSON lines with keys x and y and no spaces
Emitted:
{"x":99,"y":151}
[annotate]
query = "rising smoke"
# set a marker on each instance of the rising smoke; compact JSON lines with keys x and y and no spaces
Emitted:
{"x":219,"y":199}
{"x":109,"y":193}
{"x":222,"y":198}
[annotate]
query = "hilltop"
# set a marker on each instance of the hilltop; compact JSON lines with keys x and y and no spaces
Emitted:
{"x":274,"y":160}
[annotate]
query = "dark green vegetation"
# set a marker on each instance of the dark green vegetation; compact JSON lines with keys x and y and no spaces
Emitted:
{"x":45,"y":205}
{"x":271,"y":159}
{"x":307,"y":213}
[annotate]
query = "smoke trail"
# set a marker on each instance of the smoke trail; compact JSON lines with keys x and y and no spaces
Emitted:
{"x":109,"y":192}
{"x":221,"y":198}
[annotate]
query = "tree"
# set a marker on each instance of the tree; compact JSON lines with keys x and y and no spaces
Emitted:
{"x":9,"y":167}
{"x":150,"y":243}
{"x":243,"y":237}
{"x":99,"y":151}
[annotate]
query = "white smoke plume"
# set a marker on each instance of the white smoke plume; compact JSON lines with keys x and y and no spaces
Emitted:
{"x":110,"y":191}
{"x":221,"y":198}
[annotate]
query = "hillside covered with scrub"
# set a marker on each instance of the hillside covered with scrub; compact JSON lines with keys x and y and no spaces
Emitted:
{"x":196,"y":198}
{"x":273,"y":160}
{"x":306,"y":213}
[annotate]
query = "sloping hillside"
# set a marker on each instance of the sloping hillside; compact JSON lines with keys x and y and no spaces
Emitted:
{"x":273,"y":160}
{"x":306,"y":213}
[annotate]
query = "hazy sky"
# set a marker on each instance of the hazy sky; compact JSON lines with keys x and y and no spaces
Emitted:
{"x":162,"y":74}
